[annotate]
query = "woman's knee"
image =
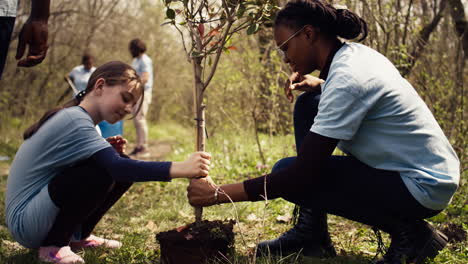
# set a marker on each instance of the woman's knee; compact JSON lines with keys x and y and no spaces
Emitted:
{"x":307,"y":102}
{"x":305,"y":110}
{"x":283,"y":163}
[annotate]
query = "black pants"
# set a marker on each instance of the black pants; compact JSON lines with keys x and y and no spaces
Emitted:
{"x":6,"y":29}
{"x":350,"y":188}
{"x":83,"y":193}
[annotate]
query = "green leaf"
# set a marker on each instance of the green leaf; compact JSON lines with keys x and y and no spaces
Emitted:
{"x":170,"y":13}
{"x":195,"y":54}
{"x":228,"y":42}
{"x":241,"y":11}
{"x":252,"y":29}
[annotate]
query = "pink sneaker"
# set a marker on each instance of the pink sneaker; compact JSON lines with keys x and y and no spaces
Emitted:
{"x":59,"y":255}
{"x":94,"y":241}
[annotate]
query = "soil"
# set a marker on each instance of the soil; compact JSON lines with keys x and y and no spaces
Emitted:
{"x":196,"y":243}
{"x":454,"y":232}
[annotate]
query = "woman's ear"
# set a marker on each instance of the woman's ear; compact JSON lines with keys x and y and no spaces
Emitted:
{"x":310,"y":33}
{"x":99,"y":86}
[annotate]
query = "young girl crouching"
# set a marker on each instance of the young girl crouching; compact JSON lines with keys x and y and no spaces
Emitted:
{"x":65,"y":176}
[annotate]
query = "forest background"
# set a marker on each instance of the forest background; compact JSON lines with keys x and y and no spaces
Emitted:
{"x":249,"y":120}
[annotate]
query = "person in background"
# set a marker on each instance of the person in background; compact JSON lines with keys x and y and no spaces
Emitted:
{"x":144,"y":67}
{"x":400,"y":168}
{"x":33,"y":34}
{"x":65,"y":176}
{"x":81,"y":73}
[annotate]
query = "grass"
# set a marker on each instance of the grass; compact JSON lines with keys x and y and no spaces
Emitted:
{"x":150,"y":208}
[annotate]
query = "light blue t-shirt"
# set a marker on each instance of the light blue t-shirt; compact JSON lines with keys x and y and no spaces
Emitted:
{"x":381,"y":120}
{"x":81,"y":76}
{"x":8,"y":8}
{"x":65,"y":139}
{"x":145,"y":64}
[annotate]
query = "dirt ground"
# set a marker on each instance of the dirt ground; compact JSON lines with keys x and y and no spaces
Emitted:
{"x":158,"y":150}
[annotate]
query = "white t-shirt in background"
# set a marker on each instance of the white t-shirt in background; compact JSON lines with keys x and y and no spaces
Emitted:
{"x":8,"y":8}
{"x":81,"y":77}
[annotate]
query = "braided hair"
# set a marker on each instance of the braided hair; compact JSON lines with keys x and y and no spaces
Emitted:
{"x":323,"y":16}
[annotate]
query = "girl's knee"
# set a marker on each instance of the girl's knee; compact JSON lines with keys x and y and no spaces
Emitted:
{"x":87,"y":175}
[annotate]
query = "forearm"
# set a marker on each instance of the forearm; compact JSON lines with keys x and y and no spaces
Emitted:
{"x":144,"y":78}
{"x":302,"y":176}
{"x":128,"y":170}
{"x":177,"y":170}
{"x":40,"y":10}
{"x":232,"y":192}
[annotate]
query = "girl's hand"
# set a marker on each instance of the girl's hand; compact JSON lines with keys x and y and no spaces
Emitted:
{"x":118,"y":143}
{"x":197,"y":165}
{"x":201,"y":192}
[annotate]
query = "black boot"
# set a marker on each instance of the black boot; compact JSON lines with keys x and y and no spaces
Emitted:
{"x":413,"y":243}
{"x":309,"y":236}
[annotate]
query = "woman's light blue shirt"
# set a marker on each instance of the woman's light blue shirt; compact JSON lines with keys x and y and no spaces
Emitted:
{"x":381,"y":120}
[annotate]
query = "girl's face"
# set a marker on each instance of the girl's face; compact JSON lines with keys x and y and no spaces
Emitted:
{"x":297,"y":46}
{"x":117,"y":101}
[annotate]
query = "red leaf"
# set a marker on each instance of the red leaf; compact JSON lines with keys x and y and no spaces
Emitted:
{"x":201,"y":29}
{"x":213,"y":32}
{"x":231,"y":48}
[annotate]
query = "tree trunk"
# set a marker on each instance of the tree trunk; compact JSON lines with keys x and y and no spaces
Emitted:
{"x":423,"y":39}
{"x":461,"y":28}
{"x":199,"y":109}
{"x":461,"y":25}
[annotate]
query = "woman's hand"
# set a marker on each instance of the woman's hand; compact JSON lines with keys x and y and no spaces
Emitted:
{"x":118,"y":143}
{"x":304,"y":83}
{"x":197,"y":165}
{"x":201,"y":192}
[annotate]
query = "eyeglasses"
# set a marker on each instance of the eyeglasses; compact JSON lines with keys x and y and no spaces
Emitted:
{"x":279,"y":50}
